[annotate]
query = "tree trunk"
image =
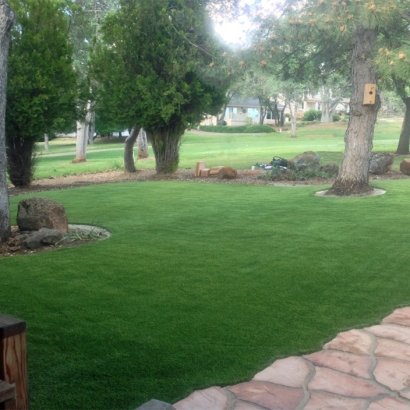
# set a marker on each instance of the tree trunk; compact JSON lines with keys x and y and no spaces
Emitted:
{"x":46,"y":142}
{"x":293,"y":118}
{"x":129,"y":162}
{"x":6,"y":21}
{"x":83,"y":129}
{"x":353,"y":175}
{"x":21,"y":160}
{"x":91,"y":128}
{"x":142,"y":144}
{"x":403,"y":147}
{"x":165,"y":144}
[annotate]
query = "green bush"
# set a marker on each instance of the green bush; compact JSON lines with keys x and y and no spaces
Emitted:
{"x":237,"y":129}
{"x":336,"y":117}
{"x":312,"y":115}
{"x":259,"y":128}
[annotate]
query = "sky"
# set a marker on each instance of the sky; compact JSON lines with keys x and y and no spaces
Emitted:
{"x":235,"y":32}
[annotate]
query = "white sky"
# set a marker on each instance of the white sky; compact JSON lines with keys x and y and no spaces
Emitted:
{"x":235,"y":32}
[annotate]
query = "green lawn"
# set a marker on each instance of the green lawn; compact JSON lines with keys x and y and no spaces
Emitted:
{"x":237,"y":150}
{"x":200,"y":285}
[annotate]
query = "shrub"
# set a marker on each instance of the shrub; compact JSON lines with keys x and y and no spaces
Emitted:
{"x":312,"y":115}
{"x":336,"y":117}
{"x":259,"y":128}
{"x":237,"y":129}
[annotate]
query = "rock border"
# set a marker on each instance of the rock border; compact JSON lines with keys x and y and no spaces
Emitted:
{"x":375,"y":192}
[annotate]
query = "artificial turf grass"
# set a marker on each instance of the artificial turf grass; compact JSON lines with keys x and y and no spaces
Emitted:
{"x":239,"y":151}
{"x":200,"y":284}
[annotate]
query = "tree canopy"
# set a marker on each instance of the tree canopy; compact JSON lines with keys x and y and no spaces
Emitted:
{"x":148,"y":67}
{"x":41,"y":92}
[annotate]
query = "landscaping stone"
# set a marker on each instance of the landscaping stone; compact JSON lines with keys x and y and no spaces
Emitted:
{"x":36,"y":213}
{"x":353,"y":341}
{"x":322,"y":401}
{"x":331,"y":168}
{"x":332,"y":381}
{"x":268,"y":395}
{"x":359,"y":369}
{"x":155,"y":405}
{"x":394,"y":332}
{"x":227,"y":173}
{"x":380,"y":162}
{"x":344,"y":362}
{"x":388,"y":403}
{"x":399,"y":317}
{"x":405,"y":167}
{"x":43,"y":237}
{"x":213,"y":398}
{"x":309,"y":160}
{"x":290,"y":372}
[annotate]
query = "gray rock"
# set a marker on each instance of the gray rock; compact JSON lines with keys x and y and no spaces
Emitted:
{"x":381,"y":162}
{"x":308,"y":160}
{"x":43,"y":237}
{"x":331,"y":168}
{"x":155,"y":405}
{"x":36,"y":213}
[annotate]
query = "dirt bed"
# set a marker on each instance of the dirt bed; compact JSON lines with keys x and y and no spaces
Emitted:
{"x":246,"y":176}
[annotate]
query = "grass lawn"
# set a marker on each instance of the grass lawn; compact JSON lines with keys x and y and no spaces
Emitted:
{"x":237,"y":150}
{"x":200,"y":285}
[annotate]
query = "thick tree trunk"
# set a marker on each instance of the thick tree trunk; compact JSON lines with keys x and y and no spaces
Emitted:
{"x":21,"y":161}
{"x":83,"y":130}
{"x":353,"y":175}
{"x":142,"y":143}
{"x":403,"y":147}
{"x":129,"y":161}
{"x":6,"y":21}
{"x":165,"y":144}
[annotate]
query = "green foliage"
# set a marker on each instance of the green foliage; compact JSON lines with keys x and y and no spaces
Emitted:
{"x":312,"y":115}
{"x":41,"y":90}
{"x":238,"y":129}
{"x":156,"y":84}
{"x":336,"y":117}
{"x":41,"y":93}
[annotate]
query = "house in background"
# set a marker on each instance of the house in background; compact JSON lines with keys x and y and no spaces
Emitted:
{"x":242,"y":111}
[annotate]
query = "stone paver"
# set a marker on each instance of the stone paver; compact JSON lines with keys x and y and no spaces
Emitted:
{"x":290,"y":372}
{"x":361,"y":369}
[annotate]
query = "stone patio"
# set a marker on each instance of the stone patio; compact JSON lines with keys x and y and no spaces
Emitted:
{"x":365,"y":369}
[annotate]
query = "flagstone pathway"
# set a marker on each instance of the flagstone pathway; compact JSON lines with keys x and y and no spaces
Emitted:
{"x":365,"y":369}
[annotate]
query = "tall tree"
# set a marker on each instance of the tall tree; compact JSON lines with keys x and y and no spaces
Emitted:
{"x":85,"y":19}
{"x":360,"y":26}
{"x":153,"y":52}
{"x":41,"y":90}
{"x":6,"y":21}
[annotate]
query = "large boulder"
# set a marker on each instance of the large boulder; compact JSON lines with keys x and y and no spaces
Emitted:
{"x":227,"y":173}
{"x":309,"y":160}
{"x":405,"y":166}
{"x":380,"y":162}
{"x":36,"y":213}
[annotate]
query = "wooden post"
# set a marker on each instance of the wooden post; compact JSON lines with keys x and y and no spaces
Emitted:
{"x":199,"y":165}
{"x":13,"y":361}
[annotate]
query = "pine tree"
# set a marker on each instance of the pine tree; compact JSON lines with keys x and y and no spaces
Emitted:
{"x":327,"y":29}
